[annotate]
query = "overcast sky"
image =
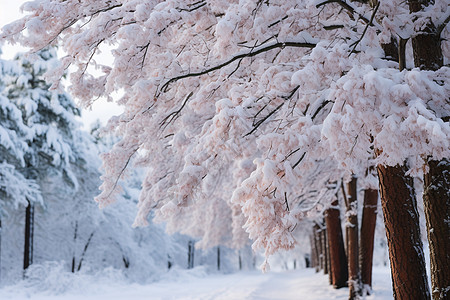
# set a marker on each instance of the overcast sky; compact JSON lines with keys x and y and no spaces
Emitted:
{"x":102,"y":110}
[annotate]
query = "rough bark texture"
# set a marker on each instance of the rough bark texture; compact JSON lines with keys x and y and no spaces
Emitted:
{"x":352,"y":243}
{"x":368,"y":222}
{"x":436,"y":200}
{"x":338,"y":259}
{"x":426,"y":45}
{"x":401,"y":220}
{"x":29,"y":234}
{"x":428,"y":56}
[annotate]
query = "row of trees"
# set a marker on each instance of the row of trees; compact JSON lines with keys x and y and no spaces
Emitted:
{"x":48,"y":178}
{"x":258,"y":108}
{"x":347,"y":258}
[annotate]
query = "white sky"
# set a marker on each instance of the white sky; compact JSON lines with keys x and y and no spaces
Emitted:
{"x":102,"y":110}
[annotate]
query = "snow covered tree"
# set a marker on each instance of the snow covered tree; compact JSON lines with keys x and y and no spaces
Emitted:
{"x":428,"y":55}
{"x":41,"y":123}
{"x":278,"y":86}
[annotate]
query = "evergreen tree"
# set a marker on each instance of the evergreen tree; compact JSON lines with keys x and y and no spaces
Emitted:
{"x":36,"y":128}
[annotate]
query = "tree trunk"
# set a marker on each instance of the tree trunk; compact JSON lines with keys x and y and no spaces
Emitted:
{"x":369,"y":220}
{"x":74,"y":246}
{"x":436,"y":200}
{"x":401,"y":220}
{"x":218,"y":258}
{"x":190,"y":255}
{"x":338,"y":259}
{"x":0,"y":249}
{"x":427,"y":44}
{"x":313,"y":251}
{"x":29,"y":234}
{"x":428,"y":56}
{"x":352,"y":243}
{"x":323,"y":239}
{"x":330,"y":271}
{"x":86,"y":246}
{"x":240,"y":261}
{"x":318,"y":247}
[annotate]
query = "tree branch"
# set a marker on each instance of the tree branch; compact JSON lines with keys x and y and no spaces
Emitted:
{"x":165,"y":86}
{"x":345,"y":6}
{"x":442,"y":26}
{"x":367,"y":26}
{"x":257,"y":124}
{"x":173,"y":115}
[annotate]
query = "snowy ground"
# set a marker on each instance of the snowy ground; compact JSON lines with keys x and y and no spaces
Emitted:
{"x":196,"y":284}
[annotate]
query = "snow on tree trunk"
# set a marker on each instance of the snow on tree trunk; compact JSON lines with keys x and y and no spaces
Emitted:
{"x":352,"y":242}
{"x":338,"y":258}
{"x":29,"y":234}
{"x":368,"y":222}
{"x":428,"y":56}
{"x":401,"y":220}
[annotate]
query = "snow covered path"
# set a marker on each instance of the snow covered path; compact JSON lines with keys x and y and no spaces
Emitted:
{"x":300,"y":284}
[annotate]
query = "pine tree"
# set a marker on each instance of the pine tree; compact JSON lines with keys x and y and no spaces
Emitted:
{"x":42,"y":122}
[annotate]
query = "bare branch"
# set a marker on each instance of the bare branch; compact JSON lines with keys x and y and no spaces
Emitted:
{"x":122,"y":171}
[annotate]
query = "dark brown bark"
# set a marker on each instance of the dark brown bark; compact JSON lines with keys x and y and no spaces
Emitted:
{"x":323,"y":240}
{"x":338,"y":259}
{"x":401,"y":220}
{"x":352,"y":243}
{"x":436,"y":200}
{"x":391,"y":50}
{"x":29,"y":234}
{"x":428,"y":56}
{"x":427,"y":49}
{"x":368,"y":222}
{"x":318,"y":248}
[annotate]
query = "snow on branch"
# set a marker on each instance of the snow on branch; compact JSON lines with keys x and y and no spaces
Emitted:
{"x":276,"y":45}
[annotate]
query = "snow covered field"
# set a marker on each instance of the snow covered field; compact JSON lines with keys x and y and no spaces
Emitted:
{"x":195,"y":284}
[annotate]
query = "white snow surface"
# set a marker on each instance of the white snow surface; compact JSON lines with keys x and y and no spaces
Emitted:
{"x":192,"y":284}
